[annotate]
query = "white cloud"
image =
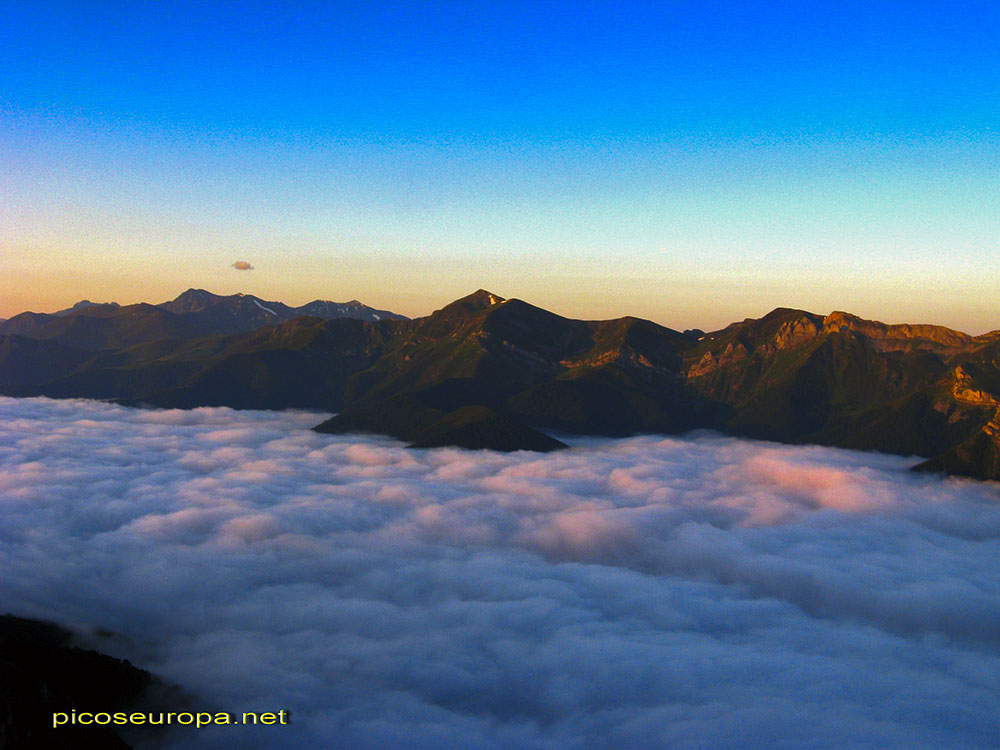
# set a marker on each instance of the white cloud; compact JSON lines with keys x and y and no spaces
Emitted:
{"x":650,"y":592}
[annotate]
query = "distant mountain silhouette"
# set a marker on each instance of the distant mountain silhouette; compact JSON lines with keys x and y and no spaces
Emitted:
{"x":244,"y":312}
{"x":82,"y":304}
{"x":194,"y":313}
{"x":485,"y":372}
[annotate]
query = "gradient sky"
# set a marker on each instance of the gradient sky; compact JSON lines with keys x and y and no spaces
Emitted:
{"x":689,"y":162}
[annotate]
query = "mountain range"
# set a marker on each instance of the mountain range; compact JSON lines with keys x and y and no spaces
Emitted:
{"x":486,"y":372}
{"x":195,"y":313}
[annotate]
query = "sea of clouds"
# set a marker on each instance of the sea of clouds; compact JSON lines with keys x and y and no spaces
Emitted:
{"x":682,"y":592}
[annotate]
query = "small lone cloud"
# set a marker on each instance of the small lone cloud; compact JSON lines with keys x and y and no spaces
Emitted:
{"x":242,"y":265}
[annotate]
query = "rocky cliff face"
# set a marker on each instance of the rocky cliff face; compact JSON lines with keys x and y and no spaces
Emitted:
{"x":978,"y":455}
{"x":901,"y":337}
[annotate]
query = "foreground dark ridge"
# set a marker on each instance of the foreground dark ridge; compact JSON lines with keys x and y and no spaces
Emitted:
{"x":43,"y":670}
{"x":484,"y":372}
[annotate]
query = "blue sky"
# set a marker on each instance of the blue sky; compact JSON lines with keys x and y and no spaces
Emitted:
{"x":691,"y":162}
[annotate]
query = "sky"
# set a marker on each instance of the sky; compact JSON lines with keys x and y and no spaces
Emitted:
{"x":685,"y":592}
{"x":694,"y":163}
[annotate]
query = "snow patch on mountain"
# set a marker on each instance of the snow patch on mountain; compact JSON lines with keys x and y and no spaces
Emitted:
{"x":265,"y":309}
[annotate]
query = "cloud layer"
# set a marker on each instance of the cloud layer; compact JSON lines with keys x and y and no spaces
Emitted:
{"x":650,"y":592}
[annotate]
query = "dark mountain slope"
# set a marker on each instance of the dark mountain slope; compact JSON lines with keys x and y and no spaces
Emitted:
{"x":99,"y":327}
{"x":24,"y":324}
{"x":472,"y":426}
{"x":481,"y":342}
{"x":43,"y":671}
{"x":446,"y":378}
{"x":26,"y":361}
{"x":516,"y":367}
{"x":628,"y":380}
{"x":299,"y":364}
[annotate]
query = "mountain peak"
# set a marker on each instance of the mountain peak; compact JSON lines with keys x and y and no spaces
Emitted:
{"x":193,"y":293}
{"x":83,"y":305}
{"x":487,"y":297}
{"x":459,"y":312}
{"x":193,"y":300}
{"x":478,"y":300}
